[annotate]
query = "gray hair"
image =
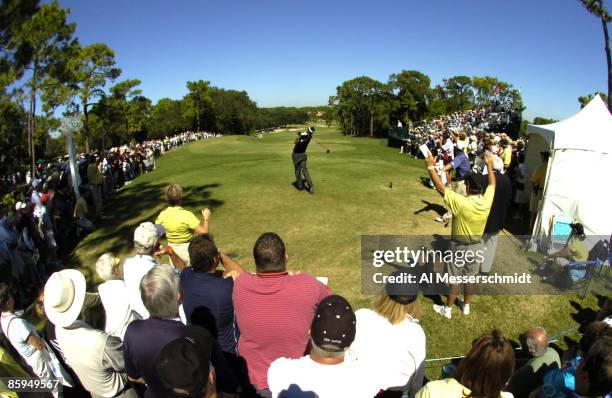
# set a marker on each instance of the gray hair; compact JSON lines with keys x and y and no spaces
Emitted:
{"x":159,"y":290}
{"x":107,"y":266}
{"x":321,"y":352}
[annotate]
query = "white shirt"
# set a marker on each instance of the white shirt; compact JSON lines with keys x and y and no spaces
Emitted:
{"x":39,"y":207}
{"x":18,"y":332}
{"x":119,"y":314}
{"x":134,"y":268}
{"x":396,"y":353}
{"x":294,"y":377}
{"x":448,"y":147}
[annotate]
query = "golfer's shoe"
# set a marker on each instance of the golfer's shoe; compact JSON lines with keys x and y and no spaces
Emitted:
{"x":443,"y":310}
{"x":465,"y":308}
{"x":311,"y":190}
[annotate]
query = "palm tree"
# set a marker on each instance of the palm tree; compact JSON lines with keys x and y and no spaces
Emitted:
{"x":597,"y":8}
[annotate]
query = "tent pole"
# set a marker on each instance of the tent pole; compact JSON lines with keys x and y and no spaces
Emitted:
{"x":538,"y":221}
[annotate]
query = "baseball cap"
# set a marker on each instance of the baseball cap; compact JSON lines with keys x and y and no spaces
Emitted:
{"x":333,"y":324}
{"x":184,"y":363}
{"x":477,"y":182}
{"x":402,"y":293}
{"x":146,"y":235}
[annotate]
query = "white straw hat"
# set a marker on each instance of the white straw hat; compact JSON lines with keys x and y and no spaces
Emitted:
{"x":64,"y":297}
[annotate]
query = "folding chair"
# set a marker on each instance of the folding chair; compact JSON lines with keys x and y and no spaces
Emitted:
{"x":601,"y":252}
{"x":580,"y":274}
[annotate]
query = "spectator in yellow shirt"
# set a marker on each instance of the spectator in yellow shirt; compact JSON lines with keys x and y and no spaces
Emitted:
{"x":574,"y":251}
{"x":180,"y":224}
{"x":470,"y":215}
{"x":506,"y":154}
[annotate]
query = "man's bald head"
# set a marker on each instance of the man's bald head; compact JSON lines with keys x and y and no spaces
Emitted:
{"x":537,"y":341}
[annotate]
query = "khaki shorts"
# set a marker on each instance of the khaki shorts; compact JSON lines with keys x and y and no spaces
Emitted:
{"x":181,"y":250}
{"x":461,"y":267}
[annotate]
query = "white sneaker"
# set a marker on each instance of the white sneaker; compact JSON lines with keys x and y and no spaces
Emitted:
{"x":443,"y":310}
{"x":465,"y":308}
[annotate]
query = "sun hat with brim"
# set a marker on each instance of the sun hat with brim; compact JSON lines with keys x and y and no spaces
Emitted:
{"x":64,"y":297}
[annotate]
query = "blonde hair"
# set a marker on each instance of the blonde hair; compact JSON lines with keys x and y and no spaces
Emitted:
{"x":107,"y":267}
{"x":395,"y":312}
{"x":174,"y":194}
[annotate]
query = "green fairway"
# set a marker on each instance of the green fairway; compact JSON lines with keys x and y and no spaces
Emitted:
{"x":362,"y":187}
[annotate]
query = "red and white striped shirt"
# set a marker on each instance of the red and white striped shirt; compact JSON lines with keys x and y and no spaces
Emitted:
{"x":274,"y":312}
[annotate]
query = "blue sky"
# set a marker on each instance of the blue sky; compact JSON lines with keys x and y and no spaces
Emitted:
{"x":295,"y":53}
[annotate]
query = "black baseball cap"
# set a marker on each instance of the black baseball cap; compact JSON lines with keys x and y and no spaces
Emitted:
{"x":183,"y":364}
{"x":401,"y":291}
{"x":333,"y":326}
{"x":477,"y":182}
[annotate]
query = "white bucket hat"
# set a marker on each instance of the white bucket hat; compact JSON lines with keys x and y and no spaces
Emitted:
{"x":64,"y":297}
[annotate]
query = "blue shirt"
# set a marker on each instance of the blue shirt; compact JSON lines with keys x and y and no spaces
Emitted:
{"x":461,"y":164}
{"x":142,"y":343}
{"x":207,"y":301}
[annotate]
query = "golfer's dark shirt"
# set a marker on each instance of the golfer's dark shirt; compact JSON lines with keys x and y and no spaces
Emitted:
{"x":501,"y":203}
{"x":302,"y":143}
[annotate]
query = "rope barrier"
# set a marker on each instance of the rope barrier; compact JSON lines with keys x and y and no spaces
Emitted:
{"x":554,"y":338}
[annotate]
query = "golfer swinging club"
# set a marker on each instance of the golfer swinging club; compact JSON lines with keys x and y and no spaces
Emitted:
{"x":299,"y":159}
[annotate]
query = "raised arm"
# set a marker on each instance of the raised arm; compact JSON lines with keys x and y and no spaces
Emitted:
{"x":177,"y":262}
{"x":490,"y":171}
{"x":203,"y":227}
{"x":229,"y":264}
{"x":430,"y":161}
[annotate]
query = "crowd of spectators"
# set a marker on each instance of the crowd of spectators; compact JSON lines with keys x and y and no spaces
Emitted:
{"x":202,"y":326}
{"x":45,"y":219}
{"x":458,"y":142}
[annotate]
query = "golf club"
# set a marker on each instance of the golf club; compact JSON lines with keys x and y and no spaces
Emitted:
{"x":324,"y":147}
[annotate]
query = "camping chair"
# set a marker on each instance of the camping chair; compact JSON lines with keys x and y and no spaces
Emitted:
{"x":580,"y":274}
{"x":601,"y":252}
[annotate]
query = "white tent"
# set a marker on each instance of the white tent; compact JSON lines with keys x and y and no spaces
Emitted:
{"x":578,"y":182}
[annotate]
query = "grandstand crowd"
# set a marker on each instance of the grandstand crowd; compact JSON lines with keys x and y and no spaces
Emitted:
{"x":202,"y":326}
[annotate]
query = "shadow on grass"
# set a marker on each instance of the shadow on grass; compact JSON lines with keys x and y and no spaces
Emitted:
{"x":432,"y":207}
{"x":143,"y":201}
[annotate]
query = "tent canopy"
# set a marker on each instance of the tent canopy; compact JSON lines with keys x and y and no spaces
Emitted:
{"x":589,"y":130}
{"x":577,"y":178}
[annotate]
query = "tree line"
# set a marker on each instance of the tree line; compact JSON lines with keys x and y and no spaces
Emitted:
{"x":365,"y":106}
{"x":44,"y":69}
